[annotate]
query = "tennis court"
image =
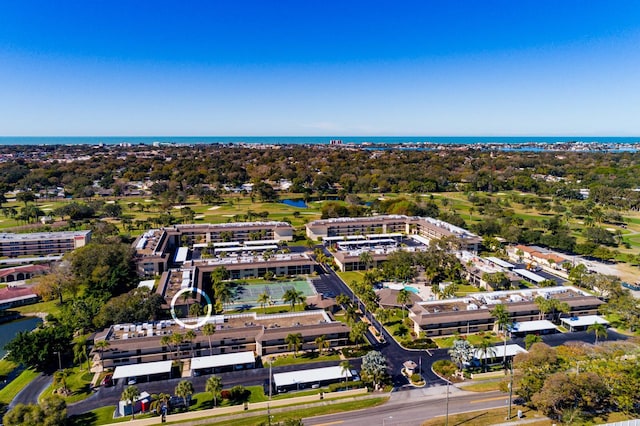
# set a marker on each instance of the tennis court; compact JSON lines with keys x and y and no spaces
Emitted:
{"x":249,"y":293}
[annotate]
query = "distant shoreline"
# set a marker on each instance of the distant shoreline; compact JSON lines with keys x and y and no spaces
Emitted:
{"x":587,"y":143}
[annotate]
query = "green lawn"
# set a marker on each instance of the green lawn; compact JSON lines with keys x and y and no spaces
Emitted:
{"x":350,"y":276}
{"x":474,"y":339}
{"x":51,"y":307}
{"x":78,"y":382}
{"x":6,"y":367}
{"x":306,"y":412}
{"x":484,"y":386}
{"x":16,"y":385}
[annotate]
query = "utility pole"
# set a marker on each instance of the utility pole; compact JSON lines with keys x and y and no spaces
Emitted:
{"x":447,"y":417}
{"x":510,"y":391}
{"x":270,"y":387}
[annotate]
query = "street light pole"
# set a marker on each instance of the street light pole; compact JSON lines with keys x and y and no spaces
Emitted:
{"x":59,"y":360}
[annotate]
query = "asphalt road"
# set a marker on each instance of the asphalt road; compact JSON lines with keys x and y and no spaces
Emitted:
{"x":30,"y":394}
{"x":417,"y":407}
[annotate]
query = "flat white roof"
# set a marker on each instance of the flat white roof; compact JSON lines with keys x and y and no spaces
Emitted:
{"x":500,"y":262}
{"x":310,"y":376}
{"x":222,"y":360}
{"x":366,"y":242}
{"x":338,"y":238}
{"x":181,"y":254}
{"x":246,"y":248}
{"x":388,"y":235}
{"x":260,"y":242}
{"x":530,"y":275}
{"x":227,"y":244}
{"x":529,"y":326}
{"x":498,"y":352}
{"x":584,"y":320}
{"x":147,"y":283}
{"x":144,"y":369}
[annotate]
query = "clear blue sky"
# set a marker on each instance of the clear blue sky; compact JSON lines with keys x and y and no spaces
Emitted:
{"x":320,"y":67}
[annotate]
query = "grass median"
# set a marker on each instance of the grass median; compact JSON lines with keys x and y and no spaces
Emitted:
{"x":301,"y":413}
{"x":12,"y":389}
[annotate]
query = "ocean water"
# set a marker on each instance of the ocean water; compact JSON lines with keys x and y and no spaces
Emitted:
{"x":311,"y":140}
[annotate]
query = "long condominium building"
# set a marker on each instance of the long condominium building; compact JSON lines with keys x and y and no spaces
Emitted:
{"x":155,"y":248}
{"x":472,"y":314}
{"x":261,"y":334}
{"x":42,"y":243}
{"x":425,"y":227}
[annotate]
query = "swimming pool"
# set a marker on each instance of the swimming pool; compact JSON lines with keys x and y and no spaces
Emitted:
{"x":411,"y":289}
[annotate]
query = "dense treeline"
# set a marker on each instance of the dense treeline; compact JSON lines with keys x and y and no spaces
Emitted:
{"x":321,"y":171}
{"x":98,"y":281}
{"x":574,"y":382}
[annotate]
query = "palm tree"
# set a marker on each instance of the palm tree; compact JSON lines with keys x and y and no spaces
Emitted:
{"x":487,"y":350}
{"x":158,"y":400}
{"x":345,"y":367}
{"x":543,"y":306}
{"x":131,"y":394}
{"x":189,"y":337}
{"x":195,"y":310}
{"x":177,"y":339}
{"x":322,"y":343}
{"x":366,"y":258}
{"x":80,"y":351}
{"x":60,"y":380}
{"x":383,"y":315}
{"x":101,"y":346}
{"x":351,"y":315}
{"x":599,"y":330}
{"x":166,"y":341}
{"x":293,"y":296}
{"x":223,"y":294}
{"x":214,"y":386}
{"x":403,"y":298}
{"x":343,"y":300}
{"x":294,"y":341}
{"x":184,"y":390}
{"x":357,"y":332}
{"x":503,"y":320}
{"x":264,"y":299}
{"x":209,"y":330}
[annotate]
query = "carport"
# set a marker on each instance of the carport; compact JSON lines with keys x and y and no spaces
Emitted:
{"x":146,"y":369}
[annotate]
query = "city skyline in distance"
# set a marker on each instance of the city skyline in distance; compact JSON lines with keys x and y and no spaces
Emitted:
{"x":287,"y":68}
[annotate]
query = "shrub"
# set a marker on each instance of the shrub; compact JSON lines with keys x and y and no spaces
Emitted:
{"x":423,"y":343}
{"x":239,"y":394}
{"x":415,"y":378}
{"x":445,"y":368}
{"x":225,"y":394}
{"x":336,"y":387}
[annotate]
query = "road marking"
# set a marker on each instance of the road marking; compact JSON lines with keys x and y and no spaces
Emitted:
{"x":332,"y":423}
{"x":495,"y":398}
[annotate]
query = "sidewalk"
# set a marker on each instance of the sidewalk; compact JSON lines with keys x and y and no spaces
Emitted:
{"x":258,"y":408}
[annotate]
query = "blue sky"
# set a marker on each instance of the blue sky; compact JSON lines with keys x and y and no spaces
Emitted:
{"x":320,"y":67}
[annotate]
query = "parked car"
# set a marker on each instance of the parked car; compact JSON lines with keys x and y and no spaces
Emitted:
{"x":634,"y":287}
{"x":132,"y":381}
{"x":107,"y":380}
